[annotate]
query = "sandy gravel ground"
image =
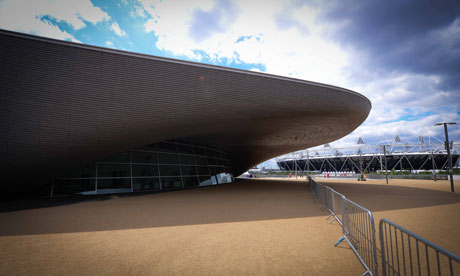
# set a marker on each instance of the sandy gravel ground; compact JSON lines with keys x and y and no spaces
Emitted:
{"x":425,"y":207}
{"x":251,"y":227}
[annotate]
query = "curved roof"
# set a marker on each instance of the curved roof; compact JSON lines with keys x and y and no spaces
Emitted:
{"x":67,"y":104}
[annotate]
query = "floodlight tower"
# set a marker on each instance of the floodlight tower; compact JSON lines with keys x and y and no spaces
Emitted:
{"x":449,"y":157}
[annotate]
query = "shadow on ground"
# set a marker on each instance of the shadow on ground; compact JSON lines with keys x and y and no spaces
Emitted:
{"x":249,"y":200}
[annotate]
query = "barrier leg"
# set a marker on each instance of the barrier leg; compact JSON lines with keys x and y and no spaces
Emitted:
{"x":339,"y":241}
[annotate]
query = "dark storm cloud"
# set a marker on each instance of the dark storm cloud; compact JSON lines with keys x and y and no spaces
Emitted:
{"x":408,"y":36}
{"x":206,"y":23}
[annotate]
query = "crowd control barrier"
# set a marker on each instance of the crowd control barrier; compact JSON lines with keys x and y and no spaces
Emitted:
{"x":313,"y":186}
{"x":406,"y":253}
{"x":402,"y":252}
{"x":357,"y":224}
{"x":359,"y":231}
{"x":335,"y":205}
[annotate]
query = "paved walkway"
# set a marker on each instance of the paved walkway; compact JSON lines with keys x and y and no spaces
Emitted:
{"x":251,"y":227}
{"x":425,"y":207}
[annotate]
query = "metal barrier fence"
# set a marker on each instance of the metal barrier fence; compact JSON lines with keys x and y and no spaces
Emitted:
{"x":335,"y":205}
{"x":357,"y":224}
{"x":400,"y":249}
{"x":359,"y":231}
{"x":406,"y":253}
{"x":313,"y":186}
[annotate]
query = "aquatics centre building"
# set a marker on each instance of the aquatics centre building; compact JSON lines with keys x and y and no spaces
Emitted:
{"x":84,"y":119}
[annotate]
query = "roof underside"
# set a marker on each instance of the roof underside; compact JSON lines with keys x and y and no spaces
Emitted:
{"x":66,"y":104}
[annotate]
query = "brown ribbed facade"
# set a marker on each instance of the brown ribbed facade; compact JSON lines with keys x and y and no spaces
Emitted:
{"x":64,"y":105}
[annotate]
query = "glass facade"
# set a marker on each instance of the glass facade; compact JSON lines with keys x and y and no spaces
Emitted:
{"x":166,"y":165}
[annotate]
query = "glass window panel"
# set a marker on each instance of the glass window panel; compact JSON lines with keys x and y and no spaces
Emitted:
{"x":140,"y":184}
{"x":219,"y":154}
{"x":205,"y":181}
{"x":166,"y":158}
{"x":210,"y":153}
{"x":166,"y":147}
{"x":188,"y":170}
{"x":171,"y":182}
{"x":143,"y":157}
{"x":145,"y":170}
{"x":152,"y":147}
{"x":186,"y":160}
{"x":199,"y":151}
{"x":219,"y":170}
{"x":201,"y":160}
{"x":114,"y":183}
{"x":185,"y":149}
{"x":113,"y":170}
{"x":119,"y":158}
{"x":169,"y":170}
{"x":72,"y":186}
{"x":190,"y":181}
{"x":219,"y":162}
{"x":212,"y":170}
{"x":86,"y":171}
{"x":203,"y":170}
{"x":224,"y":178}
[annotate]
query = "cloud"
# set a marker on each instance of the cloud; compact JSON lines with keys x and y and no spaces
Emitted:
{"x":150,"y":25}
{"x":217,"y":20}
{"x":407,"y":130}
{"x":291,"y":17}
{"x":116,"y":28}
{"x":253,"y":38}
{"x":30,"y":16}
{"x":420,"y":37}
{"x":139,"y":11}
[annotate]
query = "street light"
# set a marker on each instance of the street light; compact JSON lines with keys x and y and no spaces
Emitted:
{"x":449,"y":157}
{"x":386,"y":170}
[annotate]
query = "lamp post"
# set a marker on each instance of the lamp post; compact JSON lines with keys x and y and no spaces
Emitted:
{"x":449,"y":157}
{"x":386,"y":170}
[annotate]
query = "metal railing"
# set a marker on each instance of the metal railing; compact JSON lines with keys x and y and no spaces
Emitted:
{"x":359,"y":231}
{"x":313,"y":186}
{"x":402,"y":252}
{"x":406,"y":253}
{"x":357,"y":224}
{"x":335,"y":205}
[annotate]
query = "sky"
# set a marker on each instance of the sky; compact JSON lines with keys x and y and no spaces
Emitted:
{"x":403,"y":55}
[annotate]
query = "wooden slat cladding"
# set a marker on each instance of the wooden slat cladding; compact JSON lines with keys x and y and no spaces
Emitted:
{"x":66,"y":104}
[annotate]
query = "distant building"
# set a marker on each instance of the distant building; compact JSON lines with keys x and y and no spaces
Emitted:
{"x":399,"y":157}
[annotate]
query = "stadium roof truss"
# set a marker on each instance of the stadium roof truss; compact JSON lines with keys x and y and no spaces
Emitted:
{"x":362,"y":157}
